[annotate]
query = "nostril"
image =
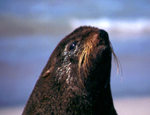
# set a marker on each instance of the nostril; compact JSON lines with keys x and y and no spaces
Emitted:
{"x":101,"y":41}
{"x":103,"y":34}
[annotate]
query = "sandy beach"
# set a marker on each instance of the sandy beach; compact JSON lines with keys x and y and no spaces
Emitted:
{"x":130,"y":106}
{"x":133,"y":106}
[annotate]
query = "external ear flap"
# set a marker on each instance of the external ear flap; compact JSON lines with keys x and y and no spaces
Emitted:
{"x":47,"y":73}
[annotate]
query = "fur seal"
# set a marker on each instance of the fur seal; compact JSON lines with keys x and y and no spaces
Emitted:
{"x":76,"y":78}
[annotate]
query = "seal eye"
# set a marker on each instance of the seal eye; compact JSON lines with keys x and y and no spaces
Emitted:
{"x":73,"y":45}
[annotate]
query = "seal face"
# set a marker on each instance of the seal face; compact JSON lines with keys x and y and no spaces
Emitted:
{"x":76,"y":78}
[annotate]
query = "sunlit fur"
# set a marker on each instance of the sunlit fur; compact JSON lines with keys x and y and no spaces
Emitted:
{"x":84,"y":58}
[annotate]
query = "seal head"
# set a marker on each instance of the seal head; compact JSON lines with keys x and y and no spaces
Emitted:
{"x":76,"y":78}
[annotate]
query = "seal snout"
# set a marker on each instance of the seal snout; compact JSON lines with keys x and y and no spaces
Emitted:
{"x":104,"y":39}
{"x":103,"y":34}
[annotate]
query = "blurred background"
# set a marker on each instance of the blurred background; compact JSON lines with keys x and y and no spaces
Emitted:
{"x":30,"y":30}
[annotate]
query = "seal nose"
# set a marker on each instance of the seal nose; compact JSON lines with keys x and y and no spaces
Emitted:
{"x":104,"y":37}
{"x":103,"y":34}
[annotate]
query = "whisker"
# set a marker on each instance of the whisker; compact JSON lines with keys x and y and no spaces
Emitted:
{"x":119,"y":67}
